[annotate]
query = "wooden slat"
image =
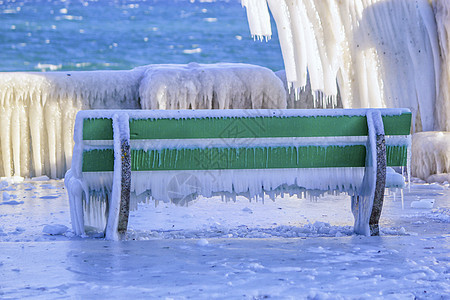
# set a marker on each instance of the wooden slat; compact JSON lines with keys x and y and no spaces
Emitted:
{"x":397,"y":124}
{"x":97,"y":129}
{"x":221,"y":158}
{"x":251,"y":127}
{"x":98,"y":160}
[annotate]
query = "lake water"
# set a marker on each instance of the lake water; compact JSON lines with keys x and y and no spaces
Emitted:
{"x":97,"y":35}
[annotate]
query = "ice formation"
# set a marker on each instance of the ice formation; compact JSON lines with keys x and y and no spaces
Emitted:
{"x":95,"y":195}
{"x":216,"y":86}
{"x":442,"y":12}
{"x":38,"y":112}
{"x":382,"y":53}
{"x":431,"y":156}
{"x":306,"y":98}
{"x":38,"y":109}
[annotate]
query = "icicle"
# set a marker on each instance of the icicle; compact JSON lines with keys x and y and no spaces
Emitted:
{"x":382,"y":53}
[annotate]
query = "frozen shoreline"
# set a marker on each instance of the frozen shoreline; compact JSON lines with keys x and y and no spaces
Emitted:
{"x":310,"y":268}
{"x":214,"y":249}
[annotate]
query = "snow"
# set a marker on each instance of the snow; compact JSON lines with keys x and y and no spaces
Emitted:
{"x":423,"y":203}
{"x":381,"y":53}
{"x":290,"y":249}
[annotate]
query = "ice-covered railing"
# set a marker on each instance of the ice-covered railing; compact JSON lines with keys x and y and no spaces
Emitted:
{"x":180,"y":154}
{"x":37,"y":114}
{"x":214,"y":86}
{"x":381,"y":53}
{"x":37,"y":110}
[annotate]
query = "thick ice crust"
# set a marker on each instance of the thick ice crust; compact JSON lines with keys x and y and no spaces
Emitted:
{"x":430,"y":159}
{"x":381,"y":53}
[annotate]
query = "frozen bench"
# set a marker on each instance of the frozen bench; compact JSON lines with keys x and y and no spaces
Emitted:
{"x":169,"y":155}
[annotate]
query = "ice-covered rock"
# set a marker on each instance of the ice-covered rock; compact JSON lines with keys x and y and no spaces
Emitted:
{"x":57,"y":229}
{"x":423,"y":203}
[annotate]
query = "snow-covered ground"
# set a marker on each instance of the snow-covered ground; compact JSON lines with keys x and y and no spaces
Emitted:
{"x":288,"y":249}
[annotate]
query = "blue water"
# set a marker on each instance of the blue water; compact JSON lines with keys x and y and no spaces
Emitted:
{"x":97,"y":35}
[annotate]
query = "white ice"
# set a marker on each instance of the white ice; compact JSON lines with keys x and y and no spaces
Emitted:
{"x":431,"y":156}
{"x":38,"y":112}
{"x":216,"y":86}
{"x":381,"y":53}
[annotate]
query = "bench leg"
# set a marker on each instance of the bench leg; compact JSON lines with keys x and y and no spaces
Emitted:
{"x":119,"y":202}
{"x":379,"y":185}
{"x":124,"y":210}
{"x":367,"y":205}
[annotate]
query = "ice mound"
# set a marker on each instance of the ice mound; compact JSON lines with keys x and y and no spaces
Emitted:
{"x":215,"y":86}
{"x":57,"y":229}
{"x":430,"y":158}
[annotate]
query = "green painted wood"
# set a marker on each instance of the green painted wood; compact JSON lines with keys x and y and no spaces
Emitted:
{"x":248,"y":158}
{"x":252,"y":127}
{"x":396,"y":156}
{"x":97,"y":129}
{"x":241,"y":158}
{"x":397,"y":125}
{"x":98,"y":160}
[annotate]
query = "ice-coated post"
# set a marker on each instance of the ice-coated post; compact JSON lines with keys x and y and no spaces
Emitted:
{"x":367,"y":204}
{"x":381,"y":174}
{"x":119,"y":202}
{"x":124,"y":210}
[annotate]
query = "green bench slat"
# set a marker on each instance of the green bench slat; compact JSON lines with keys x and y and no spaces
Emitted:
{"x":248,"y":158}
{"x":97,"y":129}
{"x":255,"y":127}
{"x":231,"y":158}
{"x":252,"y":127}
{"x":98,"y":160}
{"x":241,"y":158}
{"x":396,"y":156}
{"x":397,"y":125}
